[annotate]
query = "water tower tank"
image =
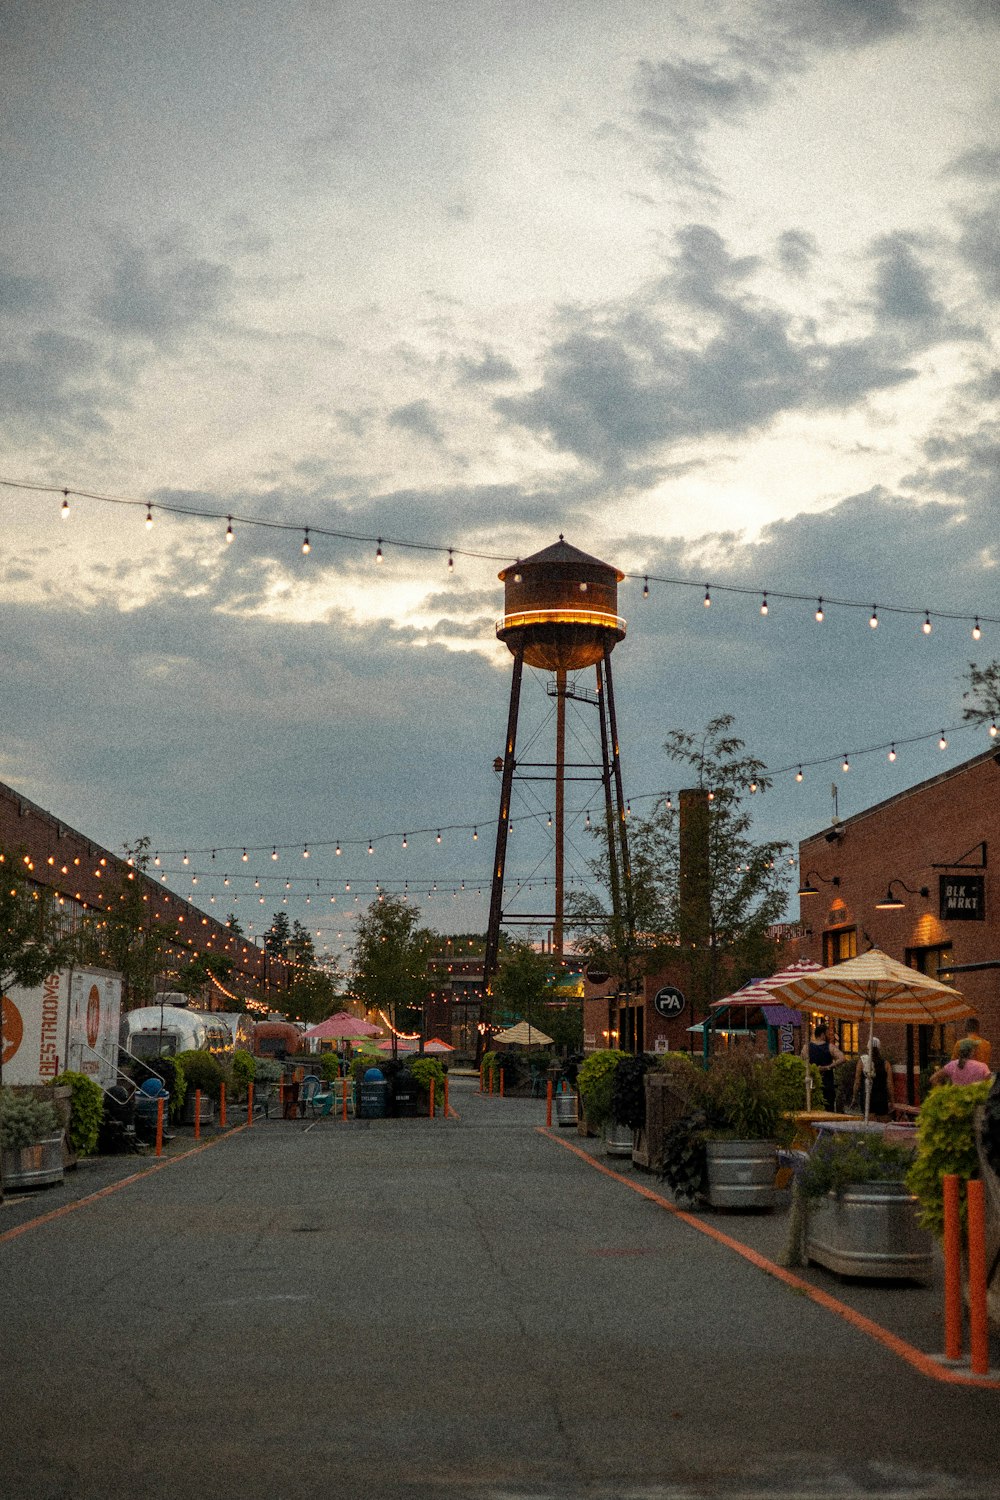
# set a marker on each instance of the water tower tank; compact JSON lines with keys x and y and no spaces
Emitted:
{"x":561,"y":606}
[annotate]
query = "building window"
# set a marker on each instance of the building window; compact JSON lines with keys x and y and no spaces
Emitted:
{"x":838,"y":944}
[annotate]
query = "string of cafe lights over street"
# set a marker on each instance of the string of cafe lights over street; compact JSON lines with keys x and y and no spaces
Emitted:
{"x":403,"y":838}
{"x":820,"y":602}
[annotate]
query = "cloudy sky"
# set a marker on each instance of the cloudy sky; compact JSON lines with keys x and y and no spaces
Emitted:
{"x":711,"y":290}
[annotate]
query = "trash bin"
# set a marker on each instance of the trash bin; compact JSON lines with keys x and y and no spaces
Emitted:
{"x":406,"y":1096}
{"x":373,"y":1103}
{"x":565,"y":1109}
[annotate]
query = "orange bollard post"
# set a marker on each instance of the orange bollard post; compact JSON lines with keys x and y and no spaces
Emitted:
{"x":979,"y":1327}
{"x":548,"y":1105}
{"x":222,"y":1106}
{"x":480,"y":1078}
{"x":431,"y":1110}
{"x":952,"y":1269}
{"x":445,"y":1096}
{"x":344,"y":1099}
{"x":501,"y":1083}
{"x":197,"y":1114}
{"x":491,"y":1081}
{"x":159,"y":1127}
{"x":250,"y":1102}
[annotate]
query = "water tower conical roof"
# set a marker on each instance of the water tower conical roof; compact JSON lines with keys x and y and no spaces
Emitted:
{"x":565,"y":553}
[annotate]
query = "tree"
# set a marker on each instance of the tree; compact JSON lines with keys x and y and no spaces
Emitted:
{"x":128,"y":937}
{"x":33,"y":940}
{"x":300,"y":945}
{"x":277,"y":936}
{"x":234,"y":924}
{"x":390,"y":959}
{"x":311,"y":997}
{"x":201,"y":970}
{"x":983,"y":694}
{"x":522,"y":983}
{"x":711,"y":911}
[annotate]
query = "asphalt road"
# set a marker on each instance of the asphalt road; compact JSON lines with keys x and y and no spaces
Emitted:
{"x":407,"y":1308}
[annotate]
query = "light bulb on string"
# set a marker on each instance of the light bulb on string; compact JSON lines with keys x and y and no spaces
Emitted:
{"x":305,"y":851}
{"x":587,"y":823}
{"x":475,"y":835}
{"x":185,"y":860}
{"x":976,"y":631}
{"x":245,"y":856}
{"x":438,"y":839}
{"x":993,"y":731}
{"x":378,"y":550}
{"x":404,"y":841}
{"x":942,"y":742}
{"x":645,"y":588}
{"x":845,"y":764}
{"x":707,"y":601}
{"x":798,"y":774}
{"x":873,"y":622}
{"x":927,"y":627}
{"x":763,"y":605}
{"x":149,"y":518}
{"x":371,"y":848}
{"x":819,"y":610}
{"x":451,"y":561}
{"x":229,"y":530}
{"x":64,"y":511}
{"x":306,"y":543}
{"x":156,"y":860}
{"x":274,"y":852}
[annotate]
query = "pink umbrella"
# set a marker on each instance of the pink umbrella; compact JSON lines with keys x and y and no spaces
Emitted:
{"x":343,"y":1026}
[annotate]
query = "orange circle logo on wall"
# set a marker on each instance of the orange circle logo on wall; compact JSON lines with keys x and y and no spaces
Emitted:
{"x":11,"y":1029}
{"x":93,"y":1016}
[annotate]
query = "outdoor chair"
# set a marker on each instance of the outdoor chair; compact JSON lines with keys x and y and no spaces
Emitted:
{"x":344,"y":1086}
{"x":311,"y":1086}
{"x":322,"y":1101}
{"x":263,"y":1095}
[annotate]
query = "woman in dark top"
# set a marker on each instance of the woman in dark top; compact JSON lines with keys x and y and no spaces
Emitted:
{"x":826,"y":1055}
{"x":872,"y":1064}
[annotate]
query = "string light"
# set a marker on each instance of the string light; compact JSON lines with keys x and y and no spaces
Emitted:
{"x":378,"y":550}
{"x":305,"y":852}
{"x":371,"y":849}
{"x":645,"y":588}
{"x":845,"y":764}
{"x":763,"y":605}
{"x":306,"y":543}
{"x":451,"y":561}
{"x":927,"y":627}
{"x":819,"y":610}
{"x":475,"y":835}
{"x":149,"y":518}
{"x":229,"y":530}
{"x":65,"y":505}
{"x":404,"y":841}
{"x":873,"y":622}
{"x":245,"y":856}
{"x":942,"y":742}
{"x":798,"y":774}
{"x":274,"y":852}
{"x":976,"y":632}
{"x":892,"y":752}
{"x":707,"y":601}
{"x":993,"y":731}
{"x":438,"y":839}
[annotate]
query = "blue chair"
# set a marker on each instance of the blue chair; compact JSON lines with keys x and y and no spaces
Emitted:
{"x":310,"y":1088}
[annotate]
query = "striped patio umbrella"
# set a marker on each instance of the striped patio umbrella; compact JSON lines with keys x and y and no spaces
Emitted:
{"x":872,"y":982}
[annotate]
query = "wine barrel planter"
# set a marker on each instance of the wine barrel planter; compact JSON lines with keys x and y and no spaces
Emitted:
{"x":741,"y":1174}
{"x":870,"y":1230}
{"x":39,"y":1165}
{"x":565,"y":1109}
{"x":617,"y":1139}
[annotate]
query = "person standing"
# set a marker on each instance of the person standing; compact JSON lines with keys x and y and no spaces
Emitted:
{"x":983,"y":1049}
{"x":965,"y":1068}
{"x":825,"y":1055}
{"x":874,"y":1065}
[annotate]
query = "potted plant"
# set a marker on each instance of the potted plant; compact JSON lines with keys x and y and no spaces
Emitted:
{"x":202,"y":1073}
{"x":593,"y":1083}
{"x":857,"y":1212}
{"x":31,"y":1141}
{"x":628,"y":1105}
{"x":744,"y":1101}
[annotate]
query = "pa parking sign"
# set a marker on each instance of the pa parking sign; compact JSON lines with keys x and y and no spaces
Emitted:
{"x":669,"y":1002}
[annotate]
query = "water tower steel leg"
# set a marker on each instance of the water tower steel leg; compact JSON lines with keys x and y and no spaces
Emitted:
{"x":560,"y":829}
{"x":499,"y":863}
{"x":626,"y":866}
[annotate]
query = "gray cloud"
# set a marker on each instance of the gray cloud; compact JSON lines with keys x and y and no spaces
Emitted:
{"x":979,"y":245}
{"x":53,"y":378}
{"x":620,"y":383}
{"x":841,"y":25}
{"x":158,"y":293}
{"x":417,"y":418}
{"x":904,"y":286}
{"x":491,"y":369}
{"x":679,"y":99}
{"x":797,"y":249}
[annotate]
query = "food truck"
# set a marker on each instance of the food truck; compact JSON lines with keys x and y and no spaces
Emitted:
{"x":69,"y":1021}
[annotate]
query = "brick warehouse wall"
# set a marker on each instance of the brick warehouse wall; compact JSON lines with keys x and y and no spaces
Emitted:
{"x":88,"y":876}
{"x":909,"y":837}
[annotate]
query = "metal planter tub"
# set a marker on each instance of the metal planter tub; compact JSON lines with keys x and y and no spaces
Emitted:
{"x":565,"y":1109}
{"x":39,"y":1165}
{"x":870,"y":1230}
{"x":741,"y":1174}
{"x":617,"y":1139}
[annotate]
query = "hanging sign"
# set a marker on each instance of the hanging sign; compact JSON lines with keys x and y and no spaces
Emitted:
{"x":669,"y":1002}
{"x":597,"y":975}
{"x":963,"y":898}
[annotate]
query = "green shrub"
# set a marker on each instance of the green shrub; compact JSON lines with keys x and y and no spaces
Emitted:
{"x":490,"y":1068}
{"x":423,"y":1070}
{"x":841,"y":1161}
{"x":743,"y":1098}
{"x":201,"y":1071}
{"x":628,"y":1092}
{"x":86,"y":1111}
{"x":329,"y":1066}
{"x":25,"y":1121}
{"x":243,"y":1068}
{"x":594,"y":1081}
{"x":946,"y":1143}
{"x":790,"y":1082}
{"x":268,"y":1070}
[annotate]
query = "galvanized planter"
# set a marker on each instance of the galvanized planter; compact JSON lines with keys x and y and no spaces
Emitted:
{"x":565,"y":1109}
{"x":39,"y":1165}
{"x":207,"y":1109}
{"x":870,"y":1230}
{"x":741,"y":1174}
{"x":617,"y":1139}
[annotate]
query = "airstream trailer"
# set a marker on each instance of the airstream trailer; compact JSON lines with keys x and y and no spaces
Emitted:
{"x":152,"y":1030}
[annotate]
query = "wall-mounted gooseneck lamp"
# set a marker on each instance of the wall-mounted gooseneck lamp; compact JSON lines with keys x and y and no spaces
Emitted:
{"x":896,"y":903}
{"x":808,"y":889}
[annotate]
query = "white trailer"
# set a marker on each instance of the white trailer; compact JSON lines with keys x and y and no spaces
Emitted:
{"x":69,"y":1021}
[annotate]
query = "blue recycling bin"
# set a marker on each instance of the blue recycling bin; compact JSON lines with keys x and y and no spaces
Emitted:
{"x":373,"y":1103}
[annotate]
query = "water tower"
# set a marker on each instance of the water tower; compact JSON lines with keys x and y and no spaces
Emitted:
{"x":561,"y":615}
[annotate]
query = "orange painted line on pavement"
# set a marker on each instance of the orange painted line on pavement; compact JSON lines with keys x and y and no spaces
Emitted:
{"x":924,"y":1363}
{"x":114,"y":1187}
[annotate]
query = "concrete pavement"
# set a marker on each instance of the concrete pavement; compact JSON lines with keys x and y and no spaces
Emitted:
{"x":414,"y":1308}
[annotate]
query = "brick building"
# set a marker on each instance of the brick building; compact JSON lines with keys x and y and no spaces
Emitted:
{"x":88,"y":879}
{"x":927,"y":848}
